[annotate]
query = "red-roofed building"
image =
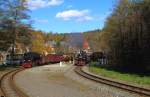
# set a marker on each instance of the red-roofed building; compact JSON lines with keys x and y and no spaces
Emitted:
{"x":86,"y":46}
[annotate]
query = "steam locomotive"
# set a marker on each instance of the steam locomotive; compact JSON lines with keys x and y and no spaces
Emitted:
{"x":81,"y":58}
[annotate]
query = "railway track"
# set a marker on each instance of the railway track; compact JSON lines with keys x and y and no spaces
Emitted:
{"x":8,"y":86}
{"x":131,"y":88}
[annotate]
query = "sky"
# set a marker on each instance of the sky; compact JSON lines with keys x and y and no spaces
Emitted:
{"x":65,"y":16}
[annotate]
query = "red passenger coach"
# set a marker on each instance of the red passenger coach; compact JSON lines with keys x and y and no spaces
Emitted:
{"x":53,"y":58}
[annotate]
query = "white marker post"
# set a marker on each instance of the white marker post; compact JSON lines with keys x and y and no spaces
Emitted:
{"x":60,"y":64}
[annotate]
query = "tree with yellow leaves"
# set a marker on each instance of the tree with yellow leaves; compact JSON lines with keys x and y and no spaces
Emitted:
{"x":38,"y":43}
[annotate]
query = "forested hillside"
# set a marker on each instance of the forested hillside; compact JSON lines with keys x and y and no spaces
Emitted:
{"x":125,"y":36}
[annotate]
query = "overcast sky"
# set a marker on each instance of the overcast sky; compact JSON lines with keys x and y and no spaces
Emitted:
{"x":64,"y":16}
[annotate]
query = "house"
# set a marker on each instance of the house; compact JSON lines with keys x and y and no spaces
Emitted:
{"x":86,"y":46}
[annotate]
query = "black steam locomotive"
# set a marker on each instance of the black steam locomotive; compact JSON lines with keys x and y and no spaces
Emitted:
{"x":81,"y":58}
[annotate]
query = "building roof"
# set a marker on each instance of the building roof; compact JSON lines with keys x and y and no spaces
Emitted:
{"x":86,"y":45}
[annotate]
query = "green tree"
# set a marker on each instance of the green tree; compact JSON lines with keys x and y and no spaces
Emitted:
{"x":127,"y":34}
{"x":13,"y":18}
{"x":93,"y":37}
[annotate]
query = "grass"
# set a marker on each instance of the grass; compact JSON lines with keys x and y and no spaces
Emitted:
{"x":133,"y":78}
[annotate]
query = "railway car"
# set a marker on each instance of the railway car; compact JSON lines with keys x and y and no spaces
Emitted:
{"x":15,"y":59}
{"x":54,"y":58}
{"x":100,"y":57}
{"x":95,"y":56}
{"x":80,"y":58}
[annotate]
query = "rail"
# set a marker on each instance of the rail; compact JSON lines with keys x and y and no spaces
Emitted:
{"x":124,"y":86}
{"x":11,"y":83}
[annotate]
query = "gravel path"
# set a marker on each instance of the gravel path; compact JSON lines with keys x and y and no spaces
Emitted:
{"x":56,"y":81}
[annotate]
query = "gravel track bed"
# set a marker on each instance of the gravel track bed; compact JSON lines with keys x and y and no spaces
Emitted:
{"x":2,"y":72}
{"x":86,"y":69}
{"x":7,"y":88}
{"x":102,"y":89}
{"x":56,"y":81}
{"x":49,"y":81}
